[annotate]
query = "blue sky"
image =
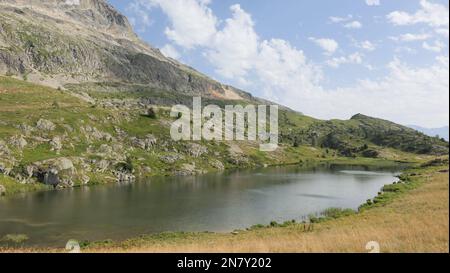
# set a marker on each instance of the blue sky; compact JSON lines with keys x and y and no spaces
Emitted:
{"x":326,"y":58}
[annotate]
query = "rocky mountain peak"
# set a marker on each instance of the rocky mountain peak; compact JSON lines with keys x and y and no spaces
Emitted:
{"x":96,"y":14}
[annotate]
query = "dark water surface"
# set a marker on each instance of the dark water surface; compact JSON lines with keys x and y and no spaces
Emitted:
{"x":215,"y":202}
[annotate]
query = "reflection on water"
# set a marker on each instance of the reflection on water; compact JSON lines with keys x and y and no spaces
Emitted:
{"x":214,"y":202}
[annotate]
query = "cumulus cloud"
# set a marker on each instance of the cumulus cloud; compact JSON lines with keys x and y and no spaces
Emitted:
{"x":234,"y":48}
{"x":442,"y":31}
{"x":170,"y":51}
{"x":410,"y":37}
{"x":140,"y":18}
{"x":366,"y":45}
{"x":373,"y":2}
{"x":329,"y":45}
{"x":192,"y":22}
{"x":277,"y":70}
{"x":355,"y":58}
{"x":435,"y":15}
{"x":337,"y":19}
{"x":346,"y":21}
{"x":353,"y":25}
{"x":437,"y":46}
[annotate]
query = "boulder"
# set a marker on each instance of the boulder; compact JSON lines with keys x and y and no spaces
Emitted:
{"x":49,"y":177}
{"x":105,"y":149}
{"x":95,"y":134}
{"x":45,"y":125}
{"x":85,"y":179}
{"x":197,"y":150}
{"x":4,"y":150}
{"x":26,"y":129}
{"x":145,"y":144}
{"x":138,"y":143}
{"x":102,"y":166}
{"x":170,"y":159}
{"x":30,"y":170}
{"x":18,"y":141}
{"x":217,"y":165}
{"x":56,"y":144}
{"x":123,"y":177}
{"x":62,"y":164}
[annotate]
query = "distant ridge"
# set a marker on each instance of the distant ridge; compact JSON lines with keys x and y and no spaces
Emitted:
{"x":442,"y":132}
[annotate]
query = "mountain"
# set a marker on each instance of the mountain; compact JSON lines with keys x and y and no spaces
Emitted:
{"x":55,"y":42}
{"x":441,"y":132}
{"x":84,"y":101}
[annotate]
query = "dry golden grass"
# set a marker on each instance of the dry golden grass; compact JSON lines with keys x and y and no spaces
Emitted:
{"x":415,"y":221}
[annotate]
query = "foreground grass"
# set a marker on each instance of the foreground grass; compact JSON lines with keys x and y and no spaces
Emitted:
{"x":412,"y":216}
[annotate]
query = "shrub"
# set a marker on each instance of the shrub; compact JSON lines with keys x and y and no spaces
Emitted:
{"x":126,"y":166}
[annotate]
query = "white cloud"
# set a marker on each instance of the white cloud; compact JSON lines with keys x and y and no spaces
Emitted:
{"x":282,"y":70}
{"x":442,"y":31}
{"x":192,"y":22}
{"x":406,"y":95}
{"x":435,"y":15}
{"x":346,"y":21}
{"x":355,"y":58}
{"x":353,"y":25}
{"x":140,"y":18}
{"x":405,"y":49}
{"x":373,"y":2}
{"x":366,"y":45}
{"x":337,"y":19}
{"x":410,"y":37}
{"x":235,"y":47}
{"x":437,"y":46}
{"x":329,"y":45}
{"x":278,"y":71}
{"x":170,"y":51}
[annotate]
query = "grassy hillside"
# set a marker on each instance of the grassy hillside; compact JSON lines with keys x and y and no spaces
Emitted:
{"x":91,"y":135}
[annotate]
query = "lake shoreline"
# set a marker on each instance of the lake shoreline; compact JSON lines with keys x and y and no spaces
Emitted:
{"x":413,"y":179}
{"x":372,"y":162}
{"x":179,"y":237}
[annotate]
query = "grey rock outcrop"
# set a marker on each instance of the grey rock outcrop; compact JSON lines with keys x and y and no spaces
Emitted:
{"x":18,"y":141}
{"x":145,"y":144}
{"x":90,"y":41}
{"x":56,"y":144}
{"x":45,"y":125}
{"x":197,"y":150}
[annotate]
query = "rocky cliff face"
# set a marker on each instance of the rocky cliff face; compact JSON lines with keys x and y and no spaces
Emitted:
{"x":55,"y":42}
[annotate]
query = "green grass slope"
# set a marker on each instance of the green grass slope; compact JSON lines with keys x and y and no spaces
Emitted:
{"x":87,"y":136}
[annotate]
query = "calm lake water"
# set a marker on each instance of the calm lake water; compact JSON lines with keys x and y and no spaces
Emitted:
{"x":215,"y":202}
